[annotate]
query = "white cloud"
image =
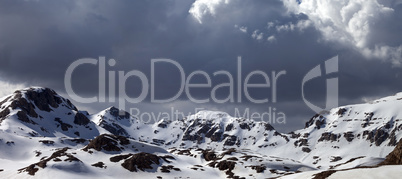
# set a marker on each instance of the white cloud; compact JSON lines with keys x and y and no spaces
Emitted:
{"x":303,"y":24}
{"x":285,"y":27}
{"x":271,"y":38}
{"x":242,"y":28}
{"x":270,"y":25}
{"x":257,"y":35}
{"x":300,"y":25}
{"x":9,"y":88}
{"x":202,"y":7}
{"x":350,"y":22}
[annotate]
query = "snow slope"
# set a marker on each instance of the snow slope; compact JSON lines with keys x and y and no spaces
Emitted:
{"x":37,"y":124}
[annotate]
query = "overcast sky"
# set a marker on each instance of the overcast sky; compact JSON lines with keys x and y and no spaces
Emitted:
{"x":39,"y":39}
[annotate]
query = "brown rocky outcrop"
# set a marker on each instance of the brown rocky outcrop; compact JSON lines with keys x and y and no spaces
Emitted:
{"x":395,"y":157}
{"x":141,"y":161}
{"x":107,"y":142}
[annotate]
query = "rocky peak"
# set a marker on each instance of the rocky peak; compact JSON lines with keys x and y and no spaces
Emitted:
{"x":116,"y":112}
{"x":318,"y":121}
{"x":43,"y":98}
{"x":37,"y":111}
{"x":29,"y":100}
{"x":111,"y":120}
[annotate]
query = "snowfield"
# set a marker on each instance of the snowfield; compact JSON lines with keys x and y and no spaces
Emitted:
{"x":43,"y":135}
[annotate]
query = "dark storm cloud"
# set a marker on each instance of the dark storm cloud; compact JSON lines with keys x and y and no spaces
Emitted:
{"x":40,"y":39}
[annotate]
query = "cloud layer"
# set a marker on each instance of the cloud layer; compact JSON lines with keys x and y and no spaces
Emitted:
{"x":354,"y":23}
{"x":40,"y":39}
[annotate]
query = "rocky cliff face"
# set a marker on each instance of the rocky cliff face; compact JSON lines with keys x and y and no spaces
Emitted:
{"x":395,"y":157}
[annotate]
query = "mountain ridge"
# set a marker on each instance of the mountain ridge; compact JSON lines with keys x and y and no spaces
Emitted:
{"x":211,"y":139}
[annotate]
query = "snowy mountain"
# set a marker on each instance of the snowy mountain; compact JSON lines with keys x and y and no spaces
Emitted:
{"x":45,"y":135}
{"x":206,"y":129}
{"x":42,"y":112}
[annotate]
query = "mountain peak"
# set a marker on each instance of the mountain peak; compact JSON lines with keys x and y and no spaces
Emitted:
{"x":116,"y":112}
{"x":43,"y":98}
{"x":207,"y":115}
{"x":38,"y":111}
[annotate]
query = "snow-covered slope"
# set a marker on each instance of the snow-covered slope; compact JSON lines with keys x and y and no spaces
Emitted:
{"x":328,"y":140}
{"x":44,"y":134}
{"x":42,"y":112}
{"x":206,"y":129}
{"x":368,"y":130}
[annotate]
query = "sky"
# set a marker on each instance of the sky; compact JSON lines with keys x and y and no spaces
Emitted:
{"x":40,"y":39}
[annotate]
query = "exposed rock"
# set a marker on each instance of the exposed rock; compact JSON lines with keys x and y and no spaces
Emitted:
{"x":230,"y":140}
{"x":32,"y":169}
{"x":4,"y":114}
{"x":348,"y":136}
{"x":229,"y":127}
{"x":293,"y":135}
{"x":214,"y":134}
{"x":258,"y":168}
{"x":301,"y":142}
{"x":116,"y":113}
{"x":113,"y":128}
{"x":226,"y":165}
{"x":335,"y":158}
{"x":392,"y":137}
{"x":24,"y":118}
{"x":324,"y":174}
{"x":118,"y":158}
{"x":78,"y":141}
{"x":140,"y":161}
{"x":244,"y":126}
{"x":327,"y":136}
{"x":166,"y":157}
{"x":268,"y":127}
{"x":198,"y":136}
{"x":306,"y":149}
{"x":64,"y":126}
{"x":81,"y":119}
{"x":26,"y":107}
{"x":229,"y":151}
{"x":276,"y":133}
{"x":319,"y":123}
{"x":377,"y":136}
{"x":158,"y":141}
{"x":168,"y":168}
{"x":232,"y":158}
{"x":44,"y":99}
{"x":162,"y":125}
{"x":99,"y":164}
{"x":5,"y":100}
{"x":47,"y":142}
{"x":395,"y":157}
{"x":107,"y":142}
{"x":208,"y":155}
{"x":311,"y":121}
{"x":341,"y":112}
{"x":246,"y":157}
{"x":349,"y":161}
{"x":184,"y":152}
